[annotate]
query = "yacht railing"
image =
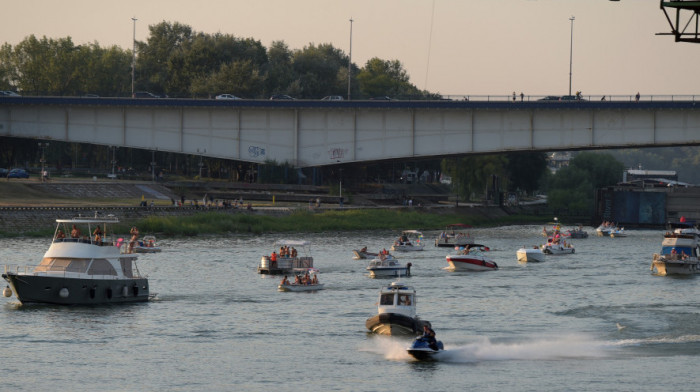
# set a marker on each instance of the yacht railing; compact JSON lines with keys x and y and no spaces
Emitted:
{"x":63,"y":271}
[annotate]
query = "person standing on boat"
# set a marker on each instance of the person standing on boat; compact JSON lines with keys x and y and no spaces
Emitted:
{"x":134,"y":236}
{"x":98,"y":234}
{"x":273,"y":260}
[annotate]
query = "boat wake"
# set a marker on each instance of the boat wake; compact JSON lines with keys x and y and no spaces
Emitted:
{"x":551,"y":348}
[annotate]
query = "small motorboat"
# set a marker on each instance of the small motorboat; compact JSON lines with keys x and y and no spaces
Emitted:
{"x":396,"y":312}
{"x":363,"y":254}
{"x":471,"y":258}
{"x":422,"y":350}
{"x":304,"y":282}
{"x":146,"y":245}
{"x":409,"y":241}
{"x":618,"y":233}
{"x":388,"y":266}
{"x":680,"y":249}
{"x":557,"y":248}
{"x":578,"y":232}
{"x":530,"y":255}
{"x":454,"y":235}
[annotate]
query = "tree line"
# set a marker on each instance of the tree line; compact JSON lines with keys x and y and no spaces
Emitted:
{"x":179,"y":62}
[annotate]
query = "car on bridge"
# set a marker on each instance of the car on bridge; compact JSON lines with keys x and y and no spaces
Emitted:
{"x":281,"y":97}
{"x":18,"y":173}
{"x":332,"y":98}
{"x":227,"y":97}
{"x":8,"y":93}
{"x":144,"y":94}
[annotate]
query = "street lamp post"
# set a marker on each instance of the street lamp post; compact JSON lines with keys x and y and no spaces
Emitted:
{"x":133,"y":57}
{"x":43,"y":146}
{"x":114,"y":159}
{"x":350,"y":60}
{"x":153,"y":166}
{"x":201,"y":164}
{"x":571,"y":51}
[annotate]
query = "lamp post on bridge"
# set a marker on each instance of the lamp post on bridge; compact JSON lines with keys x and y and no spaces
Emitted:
{"x":43,"y":147}
{"x":350,"y":60}
{"x":133,"y":57}
{"x":571,"y":51}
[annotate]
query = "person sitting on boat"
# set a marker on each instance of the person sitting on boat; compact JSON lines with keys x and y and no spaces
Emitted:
{"x":297,"y":279}
{"x":307,"y":278}
{"x":314,"y":280}
{"x":60,"y":235}
{"x":429,"y":336}
{"x":294,"y":252}
{"x":284,"y":281}
{"x":363,"y":250}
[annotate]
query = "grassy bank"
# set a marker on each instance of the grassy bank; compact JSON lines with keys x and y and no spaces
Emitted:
{"x":306,"y":222}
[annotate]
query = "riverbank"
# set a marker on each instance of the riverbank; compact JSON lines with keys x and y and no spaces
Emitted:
{"x":27,"y":210}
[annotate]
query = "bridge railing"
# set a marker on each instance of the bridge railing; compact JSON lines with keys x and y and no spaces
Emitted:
{"x":592,"y":97}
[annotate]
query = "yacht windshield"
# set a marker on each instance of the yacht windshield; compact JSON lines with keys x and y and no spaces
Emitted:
{"x":63,"y":264}
{"x":387,"y":299}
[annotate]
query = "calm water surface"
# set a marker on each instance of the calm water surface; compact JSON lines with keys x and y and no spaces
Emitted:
{"x":596,"y":320}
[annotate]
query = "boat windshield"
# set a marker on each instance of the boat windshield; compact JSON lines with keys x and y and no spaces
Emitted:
{"x":387,"y":299}
{"x":52,"y":264}
{"x":679,"y":250}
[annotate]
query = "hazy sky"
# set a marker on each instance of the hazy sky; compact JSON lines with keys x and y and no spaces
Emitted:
{"x":474,"y":47}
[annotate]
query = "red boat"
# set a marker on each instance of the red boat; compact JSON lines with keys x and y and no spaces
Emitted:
{"x":471,"y":258}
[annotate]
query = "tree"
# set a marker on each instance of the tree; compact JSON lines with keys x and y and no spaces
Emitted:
{"x":525,"y":169}
{"x":572,"y":188}
{"x":472,"y":175}
{"x":318,"y":69}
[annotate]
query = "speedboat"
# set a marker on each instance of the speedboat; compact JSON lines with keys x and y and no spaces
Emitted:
{"x":308,"y":286}
{"x":471,"y":258}
{"x":146,"y":245}
{"x":422,"y":350}
{"x":363,"y":254}
{"x":530,"y":255}
{"x":605,"y":229}
{"x":454,"y":235}
{"x":396,"y":312}
{"x":679,"y":251}
{"x":287,"y":263}
{"x":387,"y":265}
{"x":80,"y":270}
{"x":409,"y":241}
{"x":557,"y":248}
{"x":576,"y":233}
{"x":618,"y":233}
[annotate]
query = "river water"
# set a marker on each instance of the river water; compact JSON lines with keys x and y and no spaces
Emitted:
{"x":595,"y":320}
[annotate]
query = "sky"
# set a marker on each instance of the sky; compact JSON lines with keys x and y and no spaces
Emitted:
{"x":451,"y":47}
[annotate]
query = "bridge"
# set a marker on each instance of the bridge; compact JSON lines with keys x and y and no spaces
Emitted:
{"x":318,"y":133}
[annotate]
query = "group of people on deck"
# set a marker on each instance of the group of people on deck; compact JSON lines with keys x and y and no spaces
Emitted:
{"x":76,"y":233}
{"x":305,"y":280}
{"x":286,"y":251}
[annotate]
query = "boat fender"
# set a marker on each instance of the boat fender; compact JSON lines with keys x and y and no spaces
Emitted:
{"x":408,"y":268}
{"x":136,"y":290}
{"x":125,"y":291}
{"x":92,"y":292}
{"x":7,"y":291}
{"x":573,"y":250}
{"x":109,"y":292}
{"x":63,"y":293}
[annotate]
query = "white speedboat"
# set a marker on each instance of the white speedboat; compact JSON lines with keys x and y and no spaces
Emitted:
{"x":388,"y":266}
{"x":277,"y":263}
{"x":557,"y":248}
{"x":146,"y":245}
{"x":396,"y":312}
{"x":363,"y":254}
{"x":605,"y":229}
{"x":530,"y":255}
{"x":81,"y":269}
{"x":409,"y":241}
{"x":679,"y":251}
{"x":471,"y":258}
{"x":618,"y":233}
{"x":454,"y":235}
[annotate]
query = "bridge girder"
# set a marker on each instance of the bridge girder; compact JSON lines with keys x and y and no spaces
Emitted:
{"x":685,"y":23}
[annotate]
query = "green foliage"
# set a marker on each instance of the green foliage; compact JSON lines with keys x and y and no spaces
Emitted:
{"x":525,"y":170}
{"x":471,"y":175}
{"x":572,"y":188}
